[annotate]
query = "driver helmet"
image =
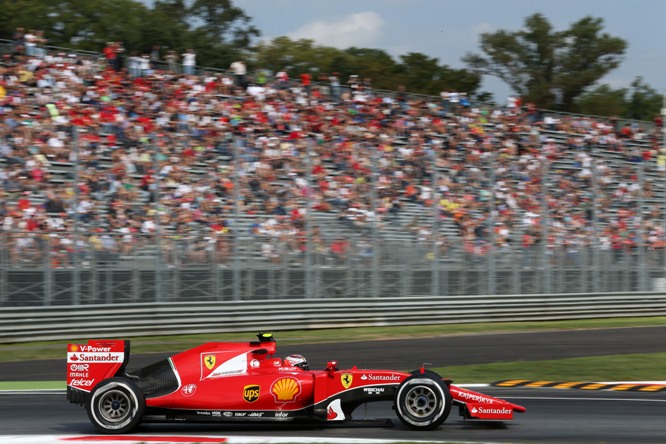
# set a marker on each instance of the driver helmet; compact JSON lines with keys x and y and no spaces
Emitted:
{"x":298,"y":361}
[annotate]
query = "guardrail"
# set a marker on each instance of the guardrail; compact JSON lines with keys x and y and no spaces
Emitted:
{"x":132,"y":320}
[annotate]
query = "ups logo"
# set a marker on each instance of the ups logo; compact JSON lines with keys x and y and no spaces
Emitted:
{"x":251,"y":393}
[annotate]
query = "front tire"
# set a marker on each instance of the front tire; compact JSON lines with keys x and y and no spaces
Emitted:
{"x":116,"y":406}
{"x":423,"y":401}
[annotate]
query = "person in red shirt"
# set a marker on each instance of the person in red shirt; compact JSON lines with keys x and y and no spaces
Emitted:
{"x":306,"y":82}
{"x":23,"y":202}
{"x":338,"y":249}
{"x":110,"y":54}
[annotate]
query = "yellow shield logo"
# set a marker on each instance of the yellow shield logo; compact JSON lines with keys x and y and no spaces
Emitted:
{"x":286,"y":389}
{"x":346,"y":379}
{"x":209,"y":361}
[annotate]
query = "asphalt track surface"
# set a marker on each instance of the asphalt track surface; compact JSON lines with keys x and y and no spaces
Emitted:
{"x":553,"y":415}
{"x":407,"y":354}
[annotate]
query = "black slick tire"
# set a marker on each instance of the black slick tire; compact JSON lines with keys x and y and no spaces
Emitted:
{"x":423,"y":401}
{"x":116,"y":405}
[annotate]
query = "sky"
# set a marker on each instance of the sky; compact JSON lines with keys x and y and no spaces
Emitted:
{"x":447,"y":30}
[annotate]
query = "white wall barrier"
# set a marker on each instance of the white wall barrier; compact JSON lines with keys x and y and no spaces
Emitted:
{"x":23,"y":324}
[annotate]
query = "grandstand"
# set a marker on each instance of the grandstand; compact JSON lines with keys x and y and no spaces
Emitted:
{"x":327,"y":171}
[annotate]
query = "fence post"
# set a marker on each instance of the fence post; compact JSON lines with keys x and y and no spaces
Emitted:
{"x":375,"y":230}
{"x":545,"y":231}
{"x":4,"y":264}
{"x":159,"y":263}
{"x":435,"y":289}
{"x":641,"y":235}
{"x":308,"y":275}
{"x":76,"y":268}
{"x":492,"y":269}
{"x":236,"y":223}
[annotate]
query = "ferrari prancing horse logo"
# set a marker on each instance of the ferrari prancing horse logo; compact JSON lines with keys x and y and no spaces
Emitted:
{"x":346,"y":379}
{"x":209,"y":361}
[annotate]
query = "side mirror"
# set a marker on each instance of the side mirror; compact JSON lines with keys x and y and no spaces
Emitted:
{"x":331,"y":367}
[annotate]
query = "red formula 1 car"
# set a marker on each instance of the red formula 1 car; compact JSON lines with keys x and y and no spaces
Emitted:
{"x":244,"y":381}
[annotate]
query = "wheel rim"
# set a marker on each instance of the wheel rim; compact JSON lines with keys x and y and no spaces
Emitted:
{"x":421,"y":401}
{"x":114,"y":406}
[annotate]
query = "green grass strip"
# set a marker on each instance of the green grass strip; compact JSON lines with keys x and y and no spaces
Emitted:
{"x":154,"y":344}
{"x":32,"y":385}
{"x":634,"y":367}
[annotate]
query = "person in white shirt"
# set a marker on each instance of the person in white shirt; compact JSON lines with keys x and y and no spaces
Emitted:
{"x":144,"y":66}
{"x":189,"y":62}
{"x":30,"y":43}
{"x":240,"y":71}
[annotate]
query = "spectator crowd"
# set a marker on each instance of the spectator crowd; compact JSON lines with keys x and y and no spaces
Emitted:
{"x":105,"y":153}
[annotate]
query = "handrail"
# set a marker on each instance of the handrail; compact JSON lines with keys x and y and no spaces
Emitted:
{"x":26,"y":324}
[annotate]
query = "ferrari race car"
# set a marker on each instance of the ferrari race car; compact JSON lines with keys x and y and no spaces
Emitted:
{"x":246,"y":382}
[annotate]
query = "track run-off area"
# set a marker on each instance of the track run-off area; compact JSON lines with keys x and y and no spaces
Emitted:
{"x":553,"y":415}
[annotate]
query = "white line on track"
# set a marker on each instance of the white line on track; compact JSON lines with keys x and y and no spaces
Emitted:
{"x":127,"y":439}
{"x":34,"y":392}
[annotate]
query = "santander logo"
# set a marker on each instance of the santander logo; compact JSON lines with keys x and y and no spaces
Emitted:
{"x":492,"y":411}
{"x":331,"y":414}
{"x":371,"y":377}
{"x":334,"y":411}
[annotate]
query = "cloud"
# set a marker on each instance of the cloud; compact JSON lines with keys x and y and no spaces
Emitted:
{"x":483,"y":27}
{"x":361,"y":29}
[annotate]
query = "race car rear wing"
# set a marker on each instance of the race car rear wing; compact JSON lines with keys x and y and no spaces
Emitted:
{"x":91,"y":363}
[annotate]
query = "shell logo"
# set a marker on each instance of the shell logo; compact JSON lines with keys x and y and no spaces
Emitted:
{"x":73,"y":348}
{"x":286,"y":389}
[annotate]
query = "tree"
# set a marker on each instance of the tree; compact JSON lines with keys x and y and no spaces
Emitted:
{"x":424,"y":75}
{"x":303,"y":55}
{"x":545,"y":67}
{"x":295,"y":56}
{"x":417,"y":72}
{"x":224,"y":21}
{"x":225,"y":32}
{"x":167,"y":25}
{"x":586,"y":57}
{"x":80,"y":24}
{"x":216,"y":28}
{"x":602,"y":101}
{"x":643,"y":102}
{"x":368,"y":63}
{"x":638,"y":102}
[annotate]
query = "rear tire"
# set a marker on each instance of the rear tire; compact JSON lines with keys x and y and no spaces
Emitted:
{"x":116,"y":406}
{"x":423,"y":401}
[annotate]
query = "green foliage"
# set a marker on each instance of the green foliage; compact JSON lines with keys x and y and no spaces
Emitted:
{"x":602,"y":100}
{"x":27,"y":14}
{"x":638,"y":102}
{"x":644,"y":102}
{"x":586,"y":56}
{"x":553,"y":69}
{"x":216,"y":28}
{"x":372,"y":64}
{"x":224,"y":22}
{"x":418,"y":72}
{"x":546,"y":67}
